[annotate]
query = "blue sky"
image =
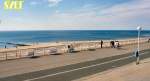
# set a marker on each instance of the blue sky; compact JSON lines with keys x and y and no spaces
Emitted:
{"x":77,"y":14}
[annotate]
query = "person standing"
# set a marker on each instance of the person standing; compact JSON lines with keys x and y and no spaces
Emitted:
{"x":117,"y":44}
{"x":137,"y":57}
{"x":149,"y":40}
{"x":5,"y":46}
{"x":113,"y":44}
{"x":70,"y":48}
{"x":101,"y":43}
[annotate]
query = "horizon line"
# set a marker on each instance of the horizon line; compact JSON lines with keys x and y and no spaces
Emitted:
{"x":78,"y":30}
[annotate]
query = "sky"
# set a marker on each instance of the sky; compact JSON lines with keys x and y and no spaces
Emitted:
{"x":77,"y":15}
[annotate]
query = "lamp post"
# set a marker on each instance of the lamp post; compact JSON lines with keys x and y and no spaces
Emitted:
{"x":138,"y":48}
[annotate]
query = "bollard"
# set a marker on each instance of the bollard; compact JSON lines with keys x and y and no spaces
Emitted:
{"x":6,"y":55}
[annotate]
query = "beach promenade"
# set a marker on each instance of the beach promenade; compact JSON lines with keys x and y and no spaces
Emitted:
{"x":130,"y":72}
{"x":43,"y":49}
{"x":31,"y":69}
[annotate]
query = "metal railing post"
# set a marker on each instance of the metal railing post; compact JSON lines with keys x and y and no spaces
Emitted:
{"x":6,"y":57}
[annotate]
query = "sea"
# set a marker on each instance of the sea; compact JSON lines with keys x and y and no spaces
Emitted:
{"x":28,"y":37}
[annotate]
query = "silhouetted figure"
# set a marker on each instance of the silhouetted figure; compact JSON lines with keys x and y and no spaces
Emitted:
{"x":149,"y":40}
{"x":137,"y":57}
{"x":70,"y":48}
{"x":5,"y":46}
{"x":112,"y":43}
{"x":101,"y":44}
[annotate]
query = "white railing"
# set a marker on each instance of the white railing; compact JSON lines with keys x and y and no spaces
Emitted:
{"x":23,"y":52}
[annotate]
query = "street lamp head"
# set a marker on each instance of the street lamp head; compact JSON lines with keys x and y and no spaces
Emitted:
{"x":139,"y":28}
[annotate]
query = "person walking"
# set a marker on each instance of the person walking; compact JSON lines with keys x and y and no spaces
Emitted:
{"x":101,"y":43}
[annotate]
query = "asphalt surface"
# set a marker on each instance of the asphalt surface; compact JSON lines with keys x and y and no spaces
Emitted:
{"x":76,"y":71}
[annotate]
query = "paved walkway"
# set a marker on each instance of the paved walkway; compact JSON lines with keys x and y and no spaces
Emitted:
{"x":20,"y":66}
{"x":130,"y":72}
